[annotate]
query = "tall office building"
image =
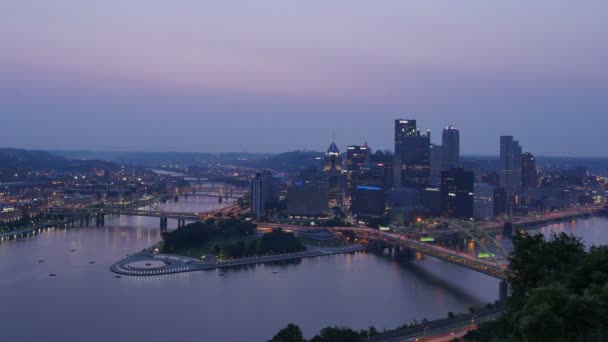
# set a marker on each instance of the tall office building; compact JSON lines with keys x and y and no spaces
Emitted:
{"x":528,"y":167}
{"x":382,"y":163}
{"x":437,"y":164}
{"x":500,"y":201}
{"x":510,"y":164}
{"x":368,"y":201}
{"x":333,"y":172}
{"x":457,"y":193}
{"x":483,"y":201}
{"x":450,"y":141}
{"x":307,"y":199}
{"x":356,"y":158}
{"x":412,"y":151}
{"x":263,"y":191}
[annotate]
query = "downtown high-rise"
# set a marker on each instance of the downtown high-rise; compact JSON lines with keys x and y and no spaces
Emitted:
{"x":528,"y":168}
{"x":510,"y":174}
{"x":412,"y":154}
{"x":450,"y":140}
{"x":333,"y":171}
{"x":356,"y":157}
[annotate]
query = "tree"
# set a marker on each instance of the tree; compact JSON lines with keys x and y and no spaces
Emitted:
{"x":559,"y":292}
{"x":291,"y":333}
{"x":335,"y":334}
{"x":279,"y":241}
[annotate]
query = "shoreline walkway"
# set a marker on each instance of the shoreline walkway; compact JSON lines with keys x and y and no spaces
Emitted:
{"x":149,"y":264}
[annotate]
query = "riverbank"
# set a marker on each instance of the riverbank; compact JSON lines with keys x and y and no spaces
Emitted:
{"x":446,"y":326}
{"x":539,"y":220}
{"x":24,"y":232}
{"x":150,"y":264}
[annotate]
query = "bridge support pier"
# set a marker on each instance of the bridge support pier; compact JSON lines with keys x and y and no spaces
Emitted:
{"x":100,"y":219}
{"x":404,"y":253}
{"x":86,"y":219}
{"x":176,"y":198}
{"x":395,"y":252}
{"x":163,"y":224}
{"x":508,"y":229}
{"x":81,"y":220}
{"x":503,"y":290}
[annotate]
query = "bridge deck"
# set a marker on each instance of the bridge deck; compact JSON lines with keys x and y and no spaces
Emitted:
{"x":439,"y":252}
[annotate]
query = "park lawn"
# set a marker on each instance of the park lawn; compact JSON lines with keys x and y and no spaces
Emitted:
{"x":207,"y":248}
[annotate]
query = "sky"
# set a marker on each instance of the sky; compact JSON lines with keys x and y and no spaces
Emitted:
{"x":279,"y":75}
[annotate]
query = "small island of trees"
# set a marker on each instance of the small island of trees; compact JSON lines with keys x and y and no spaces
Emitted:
{"x":229,"y":238}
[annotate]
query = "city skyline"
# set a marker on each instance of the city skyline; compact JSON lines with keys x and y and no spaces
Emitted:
{"x":304,"y":171}
{"x":215,"y":78}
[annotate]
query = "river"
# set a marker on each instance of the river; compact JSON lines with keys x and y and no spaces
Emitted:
{"x":86,"y":302}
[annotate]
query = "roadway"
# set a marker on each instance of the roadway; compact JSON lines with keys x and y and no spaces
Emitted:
{"x":446,"y":254}
{"x":439,"y":330}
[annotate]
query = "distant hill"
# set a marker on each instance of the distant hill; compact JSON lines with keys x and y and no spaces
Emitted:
{"x":18,"y":162}
{"x":20,"y":158}
{"x":288,"y":161}
{"x":158,"y":158}
{"x":294,"y":161}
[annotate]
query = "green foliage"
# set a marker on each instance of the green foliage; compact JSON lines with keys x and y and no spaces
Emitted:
{"x":377,"y":222}
{"x":198,"y":233}
{"x":559,"y":293}
{"x":335,"y":334}
{"x":279,"y":241}
{"x":291,"y":333}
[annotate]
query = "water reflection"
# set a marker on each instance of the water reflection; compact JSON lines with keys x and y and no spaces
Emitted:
{"x":357,"y":290}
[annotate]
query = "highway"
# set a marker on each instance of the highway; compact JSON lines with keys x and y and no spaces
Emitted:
{"x":449,"y":255}
{"x":439,"y":330}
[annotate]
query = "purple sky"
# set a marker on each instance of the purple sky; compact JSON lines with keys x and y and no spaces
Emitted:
{"x":270,"y":76}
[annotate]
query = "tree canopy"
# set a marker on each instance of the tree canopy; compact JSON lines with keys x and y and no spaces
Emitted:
{"x":279,"y":241}
{"x":559,"y":292}
{"x":197,"y":233}
{"x":292,"y":333}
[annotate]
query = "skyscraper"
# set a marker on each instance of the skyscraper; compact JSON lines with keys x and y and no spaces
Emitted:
{"x":528,"y":168}
{"x":368,"y":201}
{"x":483,"y":199}
{"x":437,"y":164}
{"x":356,"y":157}
{"x":333,"y":171}
{"x":510,"y":164}
{"x":412,"y":150}
{"x":404,"y":130}
{"x":263,"y":190}
{"x":457,"y":193}
{"x":450,"y":140}
{"x":307,"y":199}
{"x":382,"y":163}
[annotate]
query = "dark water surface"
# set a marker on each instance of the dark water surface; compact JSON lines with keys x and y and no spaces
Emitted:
{"x":86,"y":302}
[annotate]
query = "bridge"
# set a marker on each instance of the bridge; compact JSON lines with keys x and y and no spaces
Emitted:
{"x":505,"y":225}
{"x":99,"y":213}
{"x":492,"y":268}
{"x":223,"y":192}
